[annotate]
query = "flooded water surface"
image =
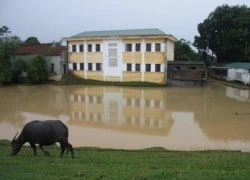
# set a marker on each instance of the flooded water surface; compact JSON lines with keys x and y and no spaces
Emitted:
{"x":213,"y":117}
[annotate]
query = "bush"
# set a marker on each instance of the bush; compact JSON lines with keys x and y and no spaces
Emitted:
{"x":37,"y":71}
{"x":19,"y":66}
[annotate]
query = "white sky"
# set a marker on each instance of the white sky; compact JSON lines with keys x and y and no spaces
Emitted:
{"x":53,"y":19}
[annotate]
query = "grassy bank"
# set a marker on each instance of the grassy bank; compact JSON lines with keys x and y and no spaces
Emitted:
{"x":94,"y":163}
{"x":73,"y":80}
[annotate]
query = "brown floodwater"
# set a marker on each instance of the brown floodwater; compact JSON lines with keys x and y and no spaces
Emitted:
{"x":212,"y":117}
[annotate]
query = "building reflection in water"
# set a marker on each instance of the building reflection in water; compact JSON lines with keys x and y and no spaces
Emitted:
{"x":238,"y":94}
{"x":138,"y":110}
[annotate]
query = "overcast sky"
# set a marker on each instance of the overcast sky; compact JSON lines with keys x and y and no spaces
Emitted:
{"x":53,"y":19}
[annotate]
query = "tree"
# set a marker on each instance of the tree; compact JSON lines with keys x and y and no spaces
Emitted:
{"x":8,"y":47}
{"x":226,"y":33}
{"x":184,"y":52}
{"x":37,"y":70}
{"x":32,"y":40}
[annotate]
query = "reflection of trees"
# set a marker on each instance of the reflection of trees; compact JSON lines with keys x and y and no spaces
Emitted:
{"x":219,"y":121}
{"x":47,"y":100}
{"x":214,"y":112}
{"x":9,"y":106}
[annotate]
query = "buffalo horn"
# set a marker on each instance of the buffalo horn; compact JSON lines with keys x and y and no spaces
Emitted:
{"x":14,"y":137}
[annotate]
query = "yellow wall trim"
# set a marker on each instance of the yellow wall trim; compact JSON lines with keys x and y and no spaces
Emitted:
{"x":132,"y":76}
{"x":132,"y":57}
{"x":154,"y":57}
{"x":76,"y":57}
{"x":94,"y":57}
{"x":112,"y":78}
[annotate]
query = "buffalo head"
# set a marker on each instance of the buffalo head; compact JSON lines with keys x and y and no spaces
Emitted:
{"x":15,"y":145}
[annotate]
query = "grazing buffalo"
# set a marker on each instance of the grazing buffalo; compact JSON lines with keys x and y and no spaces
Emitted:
{"x":44,"y":133}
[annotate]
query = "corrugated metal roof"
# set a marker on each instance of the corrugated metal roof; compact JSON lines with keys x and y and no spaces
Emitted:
{"x":131,"y":32}
{"x":237,"y":65}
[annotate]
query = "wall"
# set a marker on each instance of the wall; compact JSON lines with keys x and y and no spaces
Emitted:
{"x":170,"y":50}
{"x":120,"y":72}
{"x":57,"y":61}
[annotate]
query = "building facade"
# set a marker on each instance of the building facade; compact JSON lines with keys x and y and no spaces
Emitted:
{"x":54,"y":54}
{"x":121,"y":55}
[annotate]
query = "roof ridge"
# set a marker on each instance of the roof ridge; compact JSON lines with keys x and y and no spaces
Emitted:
{"x":125,"y":32}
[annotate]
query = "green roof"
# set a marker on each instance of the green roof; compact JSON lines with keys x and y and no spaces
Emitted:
{"x":237,"y":65}
{"x":131,"y":32}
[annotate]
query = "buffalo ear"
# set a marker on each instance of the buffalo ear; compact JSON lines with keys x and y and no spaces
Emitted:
{"x":14,"y":137}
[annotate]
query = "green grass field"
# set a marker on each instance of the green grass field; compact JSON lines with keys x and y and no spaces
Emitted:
{"x":95,"y":163}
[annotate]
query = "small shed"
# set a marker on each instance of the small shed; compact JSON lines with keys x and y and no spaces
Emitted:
{"x":55,"y":55}
{"x":186,"y":72}
{"x":238,"y":72}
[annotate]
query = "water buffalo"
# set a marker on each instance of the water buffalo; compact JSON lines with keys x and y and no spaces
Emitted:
{"x":44,"y":133}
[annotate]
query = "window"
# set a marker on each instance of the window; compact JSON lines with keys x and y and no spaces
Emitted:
{"x":91,"y":99}
{"x":192,"y":67}
{"x":157,"y":68}
{"x":112,"y":62}
{"x":81,"y":48}
{"x":99,"y":100}
{"x":157,"y":47}
{"x":148,"y":67}
{"x":52,"y":67}
{"x":74,"y":66}
{"x":98,"y":66}
{"x":129,"y":67}
{"x":89,"y":47}
{"x":75,"y":98}
{"x":81,"y":66}
{"x":137,"y":67}
{"x":64,"y":68}
{"x":137,"y":47}
{"x":148,"y":47}
{"x":113,"y":53}
{"x":112,"y":45}
{"x":176,"y":67}
{"x":90,"y":66}
{"x":129,"y":102}
{"x":147,"y":103}
{"x":137,"y":102}
{"x":157,"y":103}
{"x":73,"y":48}
{"x":97,"y":47}
{"x":82,"y":98}
{"x":128,"y":47}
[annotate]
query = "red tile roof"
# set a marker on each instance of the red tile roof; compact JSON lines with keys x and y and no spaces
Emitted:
{"x":45,"y":49}
{"x":33,"y":49}
{"x":56,"y":51}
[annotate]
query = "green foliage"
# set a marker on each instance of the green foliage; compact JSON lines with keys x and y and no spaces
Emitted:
{"x":8,"y":47}
{"x":226,"y":32}
{"x":184,"y":52}
{"x":97,"y":163}
{"x":31,"y":40}
{"x":19,"y":66}
{"x":37,"y":70}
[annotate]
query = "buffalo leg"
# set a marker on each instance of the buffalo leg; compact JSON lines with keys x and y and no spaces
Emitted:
{"x":62,"y":144}
{"x":45,"y":152}
{"x":34,"y":148}
{"x":69,"y":146}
